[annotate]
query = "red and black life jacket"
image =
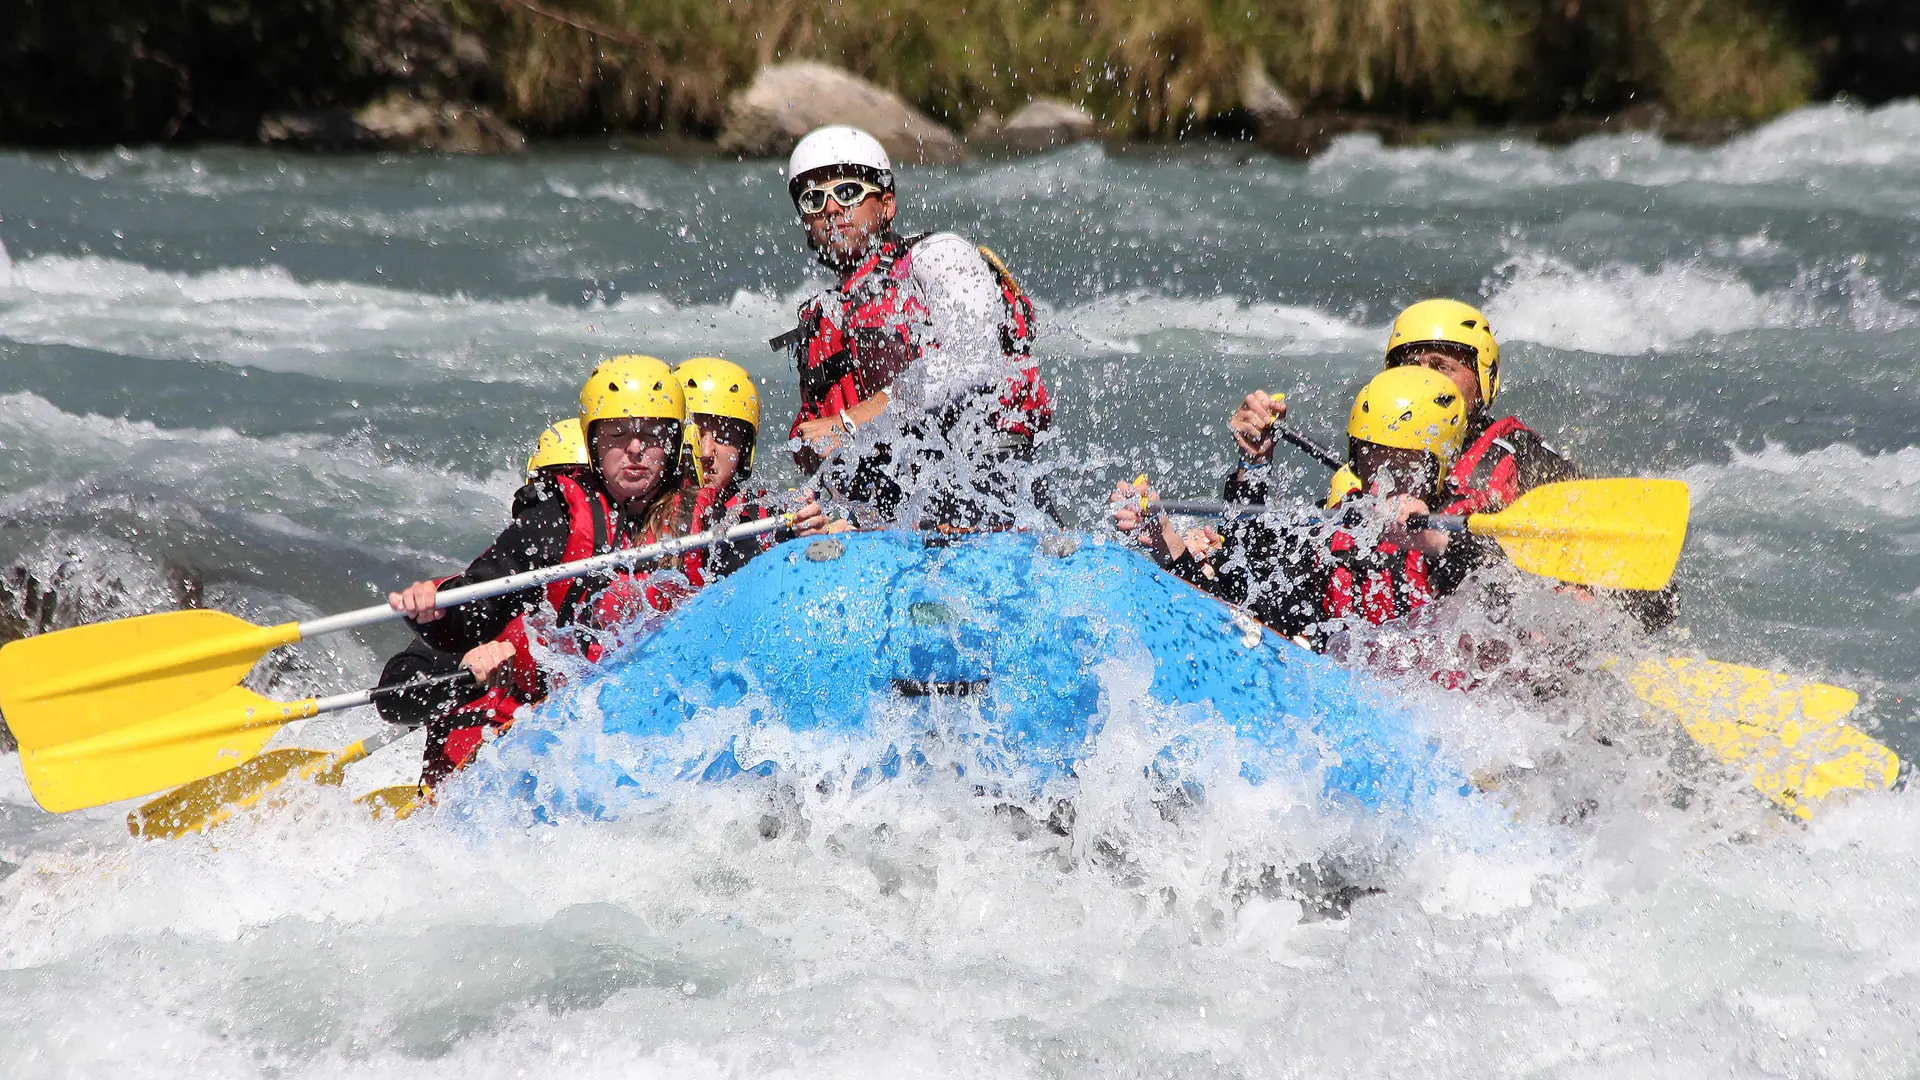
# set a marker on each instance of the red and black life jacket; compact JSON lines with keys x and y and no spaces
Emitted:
{"x":1486,"y":475}
{"x":713,"y":509}
{"x":1025,"y":408}
{"x":1384,"y":584}
{"x":579,"y":604}
{"x":848,"y":356}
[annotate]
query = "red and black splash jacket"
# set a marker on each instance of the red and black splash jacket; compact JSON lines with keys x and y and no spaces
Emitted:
{"x":1378,"y":584}
{"x":1503,"y":460}
{"x":854,"y":342}
{"x":558,"y":518}
{"x":1298,"y":575}
{"x":720,"y":510}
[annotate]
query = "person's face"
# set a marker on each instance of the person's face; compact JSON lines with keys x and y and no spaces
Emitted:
{"x":632,"y":454}
{"x":845,"y":233}
{"x":1462,"y":372}
{"x":723,"y":442}
{"x":1391,"y":470}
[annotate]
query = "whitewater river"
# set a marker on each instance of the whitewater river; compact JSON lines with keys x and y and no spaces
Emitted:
{"x":279,"y":384}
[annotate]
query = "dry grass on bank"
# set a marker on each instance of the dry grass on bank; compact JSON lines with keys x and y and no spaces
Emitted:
{"x":1143,"y":68}
{"x":1726,"y":60}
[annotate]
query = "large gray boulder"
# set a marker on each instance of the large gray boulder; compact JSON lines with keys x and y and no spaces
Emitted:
{"x":785,"y":101}
{"x":397,"y":122}
{"x":1264,"y":101}
{"x":1041,"y":124}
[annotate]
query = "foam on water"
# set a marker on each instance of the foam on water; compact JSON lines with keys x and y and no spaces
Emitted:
{"x":623,"y":194}
{"x":1616,"y":907}
{"x":263,"y":317}
{"x":1626,"y":310}
{"x":301,"y":485}
{"x":917,"y":929}
{"x":1804,"y":150}
{"x":1115,"y":324}
{"x":1618,"y":309}
{"x":1833,"y":487}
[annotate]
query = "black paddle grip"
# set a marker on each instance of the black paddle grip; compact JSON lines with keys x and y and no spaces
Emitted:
{"x":1314,"y":450}
{"x":459,"y":678}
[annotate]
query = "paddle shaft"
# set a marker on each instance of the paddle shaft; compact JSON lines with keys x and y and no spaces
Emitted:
{"x":379,"y":613}
{"x":1210,"y":508}
{"x":1314,"y":450}
{"x":393,"y":732}
{"x":1213,"y":508}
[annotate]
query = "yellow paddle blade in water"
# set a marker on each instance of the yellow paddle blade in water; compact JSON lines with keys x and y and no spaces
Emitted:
{"x":151,"y":753}
{"x":205,"y":803}
{"x":1607,"y":534}
{"x":399,"y":802}
{"x":1788,"y":734}
{"x":74,"y":684}
{"x":209,"y":803}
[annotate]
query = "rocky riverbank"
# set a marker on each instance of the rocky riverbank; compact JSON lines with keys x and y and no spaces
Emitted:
{"x":941,"y":81}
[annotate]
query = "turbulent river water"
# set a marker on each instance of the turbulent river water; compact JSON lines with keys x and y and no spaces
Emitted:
{"x":279,"y":384}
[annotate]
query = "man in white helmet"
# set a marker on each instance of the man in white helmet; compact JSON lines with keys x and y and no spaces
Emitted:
{"x":928,"y":330}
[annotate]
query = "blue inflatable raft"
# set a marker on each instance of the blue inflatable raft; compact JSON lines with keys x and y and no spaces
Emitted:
{"x":1001,"y":657}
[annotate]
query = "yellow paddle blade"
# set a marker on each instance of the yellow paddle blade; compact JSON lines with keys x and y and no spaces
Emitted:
{"x":149,"y":753}
{"x":205,"y":803}
{"x":1788,"y":734}
{"x":78,"y":683}
{"x":208,"y":802}
{"x":399,"y":802}
{"x":1608,"y":534}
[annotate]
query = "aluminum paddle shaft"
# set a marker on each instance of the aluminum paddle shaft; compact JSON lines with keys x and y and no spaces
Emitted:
{"x":379,"y":613}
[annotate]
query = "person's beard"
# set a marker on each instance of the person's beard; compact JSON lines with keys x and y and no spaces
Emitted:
{"x":841,"y":263}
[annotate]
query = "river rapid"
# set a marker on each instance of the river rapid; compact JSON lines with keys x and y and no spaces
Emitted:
{"x":279,"y":384}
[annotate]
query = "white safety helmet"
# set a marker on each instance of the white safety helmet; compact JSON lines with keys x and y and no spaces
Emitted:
{"x":847,"y":149}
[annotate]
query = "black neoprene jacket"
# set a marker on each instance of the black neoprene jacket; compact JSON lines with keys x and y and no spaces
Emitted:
{"x":1278,"y":566}
{"x":535,"y":538}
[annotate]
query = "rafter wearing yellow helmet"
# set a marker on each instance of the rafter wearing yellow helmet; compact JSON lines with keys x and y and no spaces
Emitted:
{"x":639,"y":387}
{"x":722,"y":434}
{"x":629,"y":398}
{"x":560,"y":445}
{"x":1409,"y":421}
{"x":1502,"y":458}
{"x":1315,"y":580}
{"x":1453,"y":329}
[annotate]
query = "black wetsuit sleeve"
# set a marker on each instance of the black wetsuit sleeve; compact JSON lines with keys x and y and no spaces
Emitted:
{"x":1446,"y":573}
{"x":1202,"y":574}
{"x":1269,"y":568}
{"x":1246,"y":484}
{"x":415,"y":707}
{"x":1536,"y":463}
{"x":1655,"y":609}
{"x":536,"y":538}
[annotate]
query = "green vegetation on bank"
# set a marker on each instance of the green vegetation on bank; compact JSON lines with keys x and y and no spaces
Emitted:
{"x":1151,"y":68}
{"x":74,"y":71}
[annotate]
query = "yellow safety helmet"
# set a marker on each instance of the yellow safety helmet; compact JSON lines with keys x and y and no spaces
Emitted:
{"x":1411,"y":408}
{"x":1344,"y":484}
{"x":631,"y":386}
{"x":718,"y":387}
{"x":1453,"y":323}
{"x":561,"y":444}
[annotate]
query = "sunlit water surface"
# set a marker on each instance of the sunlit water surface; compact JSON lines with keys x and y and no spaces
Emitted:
{"x":279,"y":384}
